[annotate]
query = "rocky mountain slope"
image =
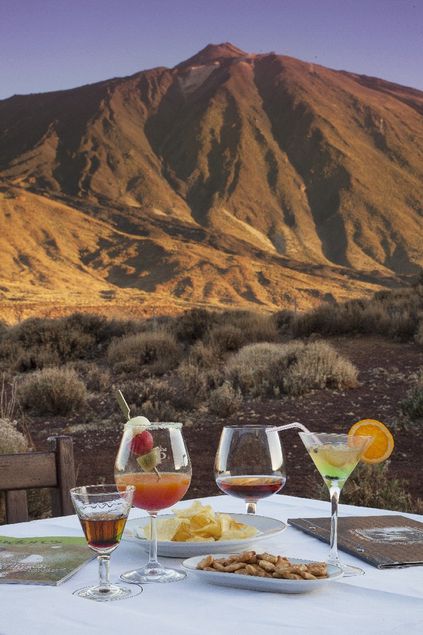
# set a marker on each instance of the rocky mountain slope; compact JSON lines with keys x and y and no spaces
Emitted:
{"x":232,"y":178}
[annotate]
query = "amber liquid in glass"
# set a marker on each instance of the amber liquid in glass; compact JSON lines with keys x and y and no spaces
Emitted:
{"x":251,"y":487}
{"x":104,"y":532}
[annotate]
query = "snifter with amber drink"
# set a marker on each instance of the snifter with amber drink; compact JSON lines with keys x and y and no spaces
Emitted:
{"x":249,"y":463}
{"x":154,"y":459}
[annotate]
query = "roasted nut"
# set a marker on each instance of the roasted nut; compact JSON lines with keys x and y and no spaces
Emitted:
{"x":264,"y":565}
{"x":205,"y":562}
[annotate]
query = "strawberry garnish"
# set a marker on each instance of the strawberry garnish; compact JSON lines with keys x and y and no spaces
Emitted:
{"x":142,"y":443}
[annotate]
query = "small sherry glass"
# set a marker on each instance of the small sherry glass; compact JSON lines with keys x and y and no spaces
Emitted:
{"x":103,"y":511}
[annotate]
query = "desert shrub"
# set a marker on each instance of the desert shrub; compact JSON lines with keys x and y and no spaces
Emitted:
{"x":284,"y":321}
{"x":318,"y":365}
{"x":224,"y":401}
{"x":152,"y":398}
{"x":199,"y":381}
{"x":374,"y":486}
{"x":157,"y":352}
{"x":159,"y":411}
{"x":12,"y":440}
{"x":393,"y":314}
{"x":412,"y":405}
{"x":226,"y":338}
{"x":203,"y":355}
{"x":101,"y":328}
{"x":38,"y":343}
{"x":3,"y":328}
{"x":253,"y":369}
{"x":155,"y":391}
{"x":257,"y":327}
{"x":193,"y":325}
{"x":95,"y":378}
{"x":419,"y":333}
{"x":52,"y":391}
{"x":267,"y":369}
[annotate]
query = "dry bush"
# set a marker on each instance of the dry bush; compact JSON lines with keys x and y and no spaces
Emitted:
{"x":155,"y":391}
{"x":389,"y":313}
{"x":258,"y":327}
{"x":159,"y":411}
{"x":419,"y":333}
{"x":374,"y":486}
{"x":156,"y":351}
{"x":39,"y":343}
{"x":101,"y":328}
{"x":284,"y":321}
{"x":203,"y":355}
{"x":226,"y":338}
{"x":52,"y":391}
{"x":11,"y":440}
{"x":197,"y":381}
{"x":255,"y":327}
{"x":264,"y":369}
{"x":253,"y":369}
{"x":193,"y":325}
{"x":412,"y":405}
{"x":95,"y":378}
{"x":224,"y":401}
{"x":318,"y":365}
{"x":152,"y":398}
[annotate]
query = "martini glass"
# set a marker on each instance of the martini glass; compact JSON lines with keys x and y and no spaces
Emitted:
{"x":249,"y":463}
{"x":155,"y":461}
{"x":102,"y":511}
{"x":335,"y":456}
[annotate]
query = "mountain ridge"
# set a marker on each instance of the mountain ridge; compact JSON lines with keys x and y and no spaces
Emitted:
{"x":260,"y":156}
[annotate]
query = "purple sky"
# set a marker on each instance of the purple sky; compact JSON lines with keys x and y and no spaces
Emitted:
{"x":55,"y":44}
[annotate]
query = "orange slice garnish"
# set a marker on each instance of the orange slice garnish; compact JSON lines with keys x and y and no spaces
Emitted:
{"x":383,"y":442}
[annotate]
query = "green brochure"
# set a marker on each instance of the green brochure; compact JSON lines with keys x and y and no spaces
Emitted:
{"x":41,"y":560}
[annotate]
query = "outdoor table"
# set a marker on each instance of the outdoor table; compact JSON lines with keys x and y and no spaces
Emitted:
{"x":381,"y":601}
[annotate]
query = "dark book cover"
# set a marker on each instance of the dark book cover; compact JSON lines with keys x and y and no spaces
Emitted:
{"x":382,"y":541}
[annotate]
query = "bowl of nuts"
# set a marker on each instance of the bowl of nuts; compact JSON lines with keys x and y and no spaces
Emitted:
{"x":262,"y":572}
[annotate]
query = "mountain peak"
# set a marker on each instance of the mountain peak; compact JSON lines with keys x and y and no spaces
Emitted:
{"x":213,"y":53}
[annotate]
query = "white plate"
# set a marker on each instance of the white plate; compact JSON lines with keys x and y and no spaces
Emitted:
{"x":267,"y":528}
{"x":254,"y":583}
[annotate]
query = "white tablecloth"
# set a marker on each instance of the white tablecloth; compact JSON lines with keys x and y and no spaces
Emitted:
{"x":380,"y":602}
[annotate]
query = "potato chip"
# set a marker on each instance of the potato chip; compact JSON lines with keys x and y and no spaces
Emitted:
{"x":199,"y":523}
{"x":166,"y":529}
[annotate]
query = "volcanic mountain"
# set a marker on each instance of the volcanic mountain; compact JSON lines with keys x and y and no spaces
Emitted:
{"x":230,"y":179}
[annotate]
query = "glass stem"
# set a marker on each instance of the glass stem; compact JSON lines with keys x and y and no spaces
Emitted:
{"x":334,"y":492}
{"x":251,"y":507}
{"x":152,"y":554}
{"x":103,"y":573}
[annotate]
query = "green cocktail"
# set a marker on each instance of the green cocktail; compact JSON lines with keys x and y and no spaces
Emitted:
{"x":335,"y":461}
{"x":335,"y":456}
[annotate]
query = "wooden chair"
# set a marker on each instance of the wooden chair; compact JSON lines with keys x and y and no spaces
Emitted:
{"x":54,"y":469}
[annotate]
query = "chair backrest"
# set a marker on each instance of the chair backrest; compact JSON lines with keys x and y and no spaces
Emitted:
{"x":54,"y":469}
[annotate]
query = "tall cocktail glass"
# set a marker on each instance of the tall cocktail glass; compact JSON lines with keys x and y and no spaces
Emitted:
{"x":335,"y":456}
{"x":155,"y":460}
